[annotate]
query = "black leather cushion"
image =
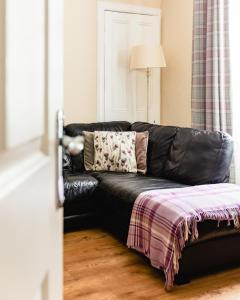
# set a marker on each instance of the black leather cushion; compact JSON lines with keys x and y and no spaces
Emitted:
{"x":199,"y":157}
{"x":160,"y":141}
{"x":117,"y":193}
{"x":78,"y":190}
{"x":77,"y":129}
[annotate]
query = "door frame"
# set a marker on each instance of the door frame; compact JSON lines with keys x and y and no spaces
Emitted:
{"x":101,"y":9}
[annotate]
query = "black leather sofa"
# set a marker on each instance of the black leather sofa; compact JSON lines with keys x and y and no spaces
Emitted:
{"x":177,"y":157}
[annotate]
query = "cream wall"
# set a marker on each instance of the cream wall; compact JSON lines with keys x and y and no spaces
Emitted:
{"x":177,"y":24}
{"x":80,"y":59}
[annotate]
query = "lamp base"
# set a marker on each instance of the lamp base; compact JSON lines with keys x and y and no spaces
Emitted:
{"x":148,"y":74}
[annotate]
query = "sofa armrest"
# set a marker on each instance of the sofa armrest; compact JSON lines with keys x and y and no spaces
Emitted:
{"x":78,"y":186}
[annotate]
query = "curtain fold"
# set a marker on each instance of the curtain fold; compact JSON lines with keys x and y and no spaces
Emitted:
{"x":211,"y":101}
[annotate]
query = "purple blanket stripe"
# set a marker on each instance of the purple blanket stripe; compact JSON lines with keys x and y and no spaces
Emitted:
{"x":163,"y":221}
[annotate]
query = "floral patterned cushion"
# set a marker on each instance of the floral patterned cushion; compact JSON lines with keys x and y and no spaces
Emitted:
{"x":115,"y":151}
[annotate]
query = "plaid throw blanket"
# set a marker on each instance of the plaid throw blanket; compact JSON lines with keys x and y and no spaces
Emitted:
{"x":163,"y":221}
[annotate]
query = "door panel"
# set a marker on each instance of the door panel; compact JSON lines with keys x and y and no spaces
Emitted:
{"x":30,"y":224}
{"x":125,"y":90}
{"x":31,"y":236}
{"x":24,"y":70}
{"x":118,"y":104}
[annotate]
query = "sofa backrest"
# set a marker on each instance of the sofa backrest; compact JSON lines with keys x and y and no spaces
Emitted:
{"x":159,"y":144}
{"x":185,"y":155}
{"x":78,"y":128}
{"x":199,"y":157}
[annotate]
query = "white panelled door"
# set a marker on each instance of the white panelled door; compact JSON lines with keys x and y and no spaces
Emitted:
{"x":125,"y":91}
{"x":31,"y":90}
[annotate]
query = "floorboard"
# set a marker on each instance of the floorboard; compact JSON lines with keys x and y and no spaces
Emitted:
{"x":98,"y":267}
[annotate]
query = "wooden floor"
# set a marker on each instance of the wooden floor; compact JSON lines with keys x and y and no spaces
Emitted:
{"x":98,"y":267}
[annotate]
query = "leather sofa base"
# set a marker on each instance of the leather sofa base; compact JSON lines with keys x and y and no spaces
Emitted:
{"x":211,"y":255}
{"x":198,"y":259}
{"x":80,"y":222}
{"x":207,"y":257}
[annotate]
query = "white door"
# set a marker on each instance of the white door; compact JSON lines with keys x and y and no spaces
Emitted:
{"x":125,"y":91}
{"x":31,"y":90}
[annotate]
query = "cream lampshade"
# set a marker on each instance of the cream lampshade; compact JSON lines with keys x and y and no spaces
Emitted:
{"x":146,"y":57}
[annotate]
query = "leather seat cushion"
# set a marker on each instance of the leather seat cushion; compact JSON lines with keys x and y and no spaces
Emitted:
{"x":117,"y":193}
{"x":78,"y":189}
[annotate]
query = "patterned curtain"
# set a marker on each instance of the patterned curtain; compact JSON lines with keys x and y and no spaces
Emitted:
{"x":211,"y":105}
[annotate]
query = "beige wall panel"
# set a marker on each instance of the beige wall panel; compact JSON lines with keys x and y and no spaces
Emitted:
{"x":177,"y":19}
{"x":80,"y":60}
